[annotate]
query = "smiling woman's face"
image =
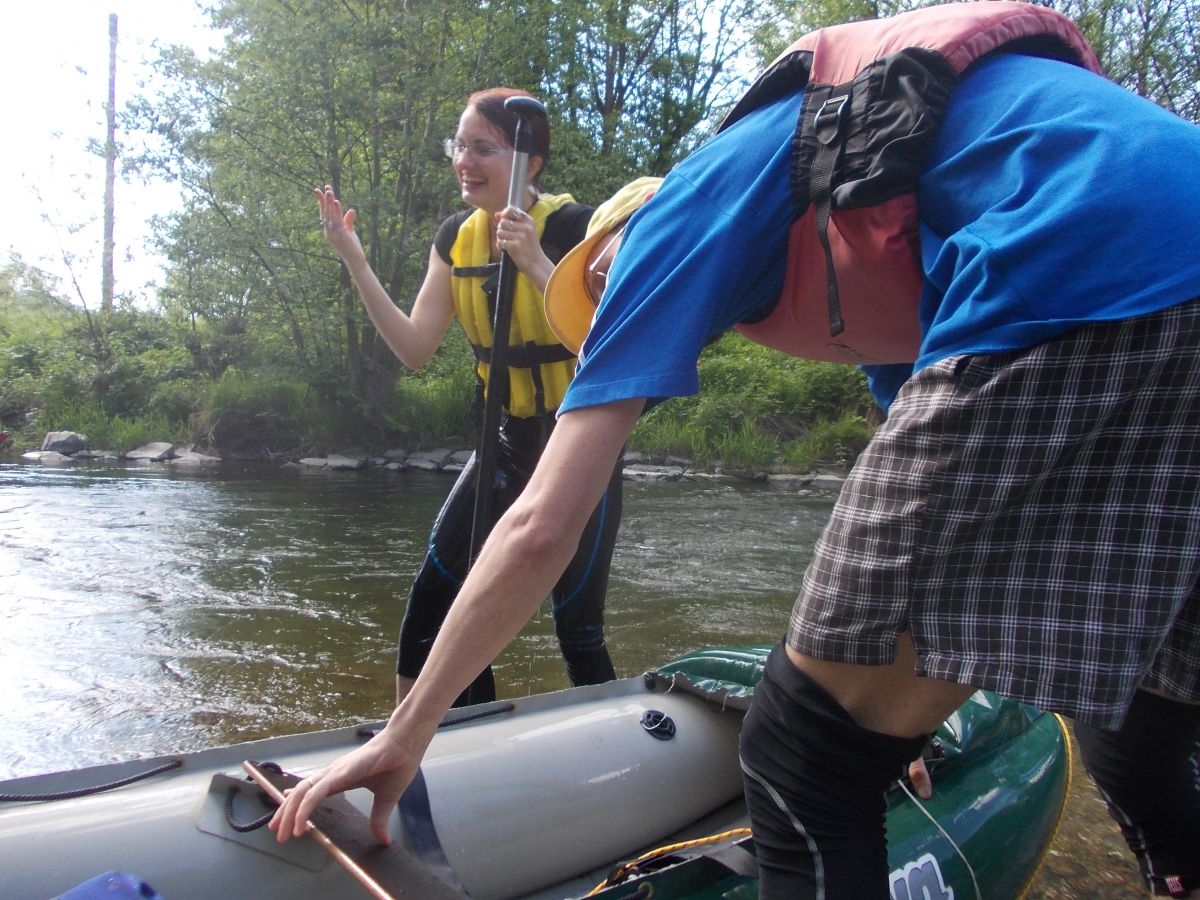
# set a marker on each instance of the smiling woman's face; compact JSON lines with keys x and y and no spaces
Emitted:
{"x":483,"y":178}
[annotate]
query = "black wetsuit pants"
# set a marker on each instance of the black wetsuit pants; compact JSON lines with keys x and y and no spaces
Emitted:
{"x":1148,"y":772}
{"x":577,"y":601}
{"x":816,"y":788}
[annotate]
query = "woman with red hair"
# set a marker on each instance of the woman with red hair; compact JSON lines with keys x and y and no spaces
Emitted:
{"x":460,"y":282}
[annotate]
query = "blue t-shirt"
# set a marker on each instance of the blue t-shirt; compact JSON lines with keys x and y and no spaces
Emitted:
{"x":706,"y":252}
{"x":1051,"y":198}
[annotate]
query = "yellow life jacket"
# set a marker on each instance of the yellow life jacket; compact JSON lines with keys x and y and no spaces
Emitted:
{"x":539,"y":367}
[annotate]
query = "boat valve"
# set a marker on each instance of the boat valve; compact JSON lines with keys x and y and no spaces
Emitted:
{"x":658,"y":724}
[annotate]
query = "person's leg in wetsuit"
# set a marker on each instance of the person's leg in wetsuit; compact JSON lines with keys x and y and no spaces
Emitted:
{"x":1148,"y":772}
{"x":442,"y":572}
{"x":578,"y":599}
{"x":815,"y":784}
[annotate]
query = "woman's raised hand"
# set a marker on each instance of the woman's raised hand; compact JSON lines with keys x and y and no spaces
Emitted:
{"x":338,"y":227}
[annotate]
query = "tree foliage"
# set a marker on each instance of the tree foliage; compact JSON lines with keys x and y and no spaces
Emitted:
{"x":640,"y":84}
{"x":303,"y":95}
{"x":358,"y":94}
{"x":1151,"y":47}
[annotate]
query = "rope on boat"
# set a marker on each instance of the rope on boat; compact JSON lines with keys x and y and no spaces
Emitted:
{"x":95,"y":789}
{"x":621,"y":872}
{"x":244,"y":827}
{"x":450,"y":719}
{"x":945,"y":834}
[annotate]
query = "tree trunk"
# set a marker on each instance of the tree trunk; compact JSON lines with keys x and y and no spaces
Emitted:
{"x":110,"y":171}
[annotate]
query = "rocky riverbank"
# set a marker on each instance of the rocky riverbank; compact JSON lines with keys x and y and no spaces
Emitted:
{"x":60,"y":448}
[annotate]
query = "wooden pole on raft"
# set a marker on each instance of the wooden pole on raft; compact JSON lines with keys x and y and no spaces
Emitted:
{"x":374,"y":888}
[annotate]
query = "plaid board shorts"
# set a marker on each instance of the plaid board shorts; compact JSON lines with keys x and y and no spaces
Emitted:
{"x":1032,"y":517}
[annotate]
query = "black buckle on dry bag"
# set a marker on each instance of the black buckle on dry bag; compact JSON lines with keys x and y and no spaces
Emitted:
{"x":827,"y":125}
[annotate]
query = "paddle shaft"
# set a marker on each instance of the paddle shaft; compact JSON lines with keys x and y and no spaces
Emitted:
{"x":343,"y":858}
{"x":497,"y":381}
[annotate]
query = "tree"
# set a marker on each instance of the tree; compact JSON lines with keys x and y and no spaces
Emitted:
{"x":305,"y":94}
{"x":358,"y":95}
{"x":1151,"y":47}
{"x":110,"y":169}
{"x":640,"y":83}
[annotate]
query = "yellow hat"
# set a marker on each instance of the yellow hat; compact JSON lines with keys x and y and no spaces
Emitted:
{"x":569,"y":305}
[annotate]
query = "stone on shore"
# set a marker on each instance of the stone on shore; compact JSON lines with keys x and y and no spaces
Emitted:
{"x":815,"y":480}
{"x":47,"y":457}
{"x":340,"y":463}
{"x":155,"y":451}
{"x":652,"y":473}
{"x":189,"y":456}
{"x":429,"y":460}
{"x":64,"y":442}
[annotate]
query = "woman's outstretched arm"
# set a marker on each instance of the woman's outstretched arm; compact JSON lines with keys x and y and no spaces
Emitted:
{"x":413,"y":338}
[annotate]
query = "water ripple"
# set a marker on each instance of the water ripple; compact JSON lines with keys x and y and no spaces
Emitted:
{"x":149,"y":610}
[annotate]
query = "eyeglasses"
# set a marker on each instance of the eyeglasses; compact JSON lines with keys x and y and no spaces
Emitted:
{"x":479,"y":149}
{"x":599,"y":261}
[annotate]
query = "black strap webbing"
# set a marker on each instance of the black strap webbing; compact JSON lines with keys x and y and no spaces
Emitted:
{"x":535,"y":374}
{"x":827,"y":125}
{"x":475,"y":271}
{"x":527,"y":356}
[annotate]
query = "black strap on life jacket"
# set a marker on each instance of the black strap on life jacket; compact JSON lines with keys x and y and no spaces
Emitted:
{"x":527,"y":356}
{"x":827,"y":125}
{"x":488,"y":270}
{"x":539,"y":387}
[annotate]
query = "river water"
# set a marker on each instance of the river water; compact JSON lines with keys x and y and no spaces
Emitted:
{"x":154,"y":609}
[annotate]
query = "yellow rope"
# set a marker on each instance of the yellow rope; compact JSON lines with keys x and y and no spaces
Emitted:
{"x":622,"y":870}
{"x":1062,"y":809}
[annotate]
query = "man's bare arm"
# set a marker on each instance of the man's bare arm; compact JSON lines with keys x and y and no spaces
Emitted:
{"x":520,"y":563}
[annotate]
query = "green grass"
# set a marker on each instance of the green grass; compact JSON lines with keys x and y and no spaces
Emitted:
{"x":119,"y":434}
{"x":758,"y":409}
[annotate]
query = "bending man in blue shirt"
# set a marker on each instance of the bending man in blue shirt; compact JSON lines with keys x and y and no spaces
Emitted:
{"x":1025,"y":520}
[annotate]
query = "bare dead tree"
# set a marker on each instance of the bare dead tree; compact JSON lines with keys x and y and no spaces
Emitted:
{"x":110,"y":171}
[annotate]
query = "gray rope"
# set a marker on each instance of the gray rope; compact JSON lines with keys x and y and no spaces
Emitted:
{"x":95,"y":789}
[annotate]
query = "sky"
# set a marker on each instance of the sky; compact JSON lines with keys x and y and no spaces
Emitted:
{"x":54,"y":77}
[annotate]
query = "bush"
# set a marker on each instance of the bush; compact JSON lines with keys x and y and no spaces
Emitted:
{"x":108,"y":432}
{"x":837,"y":442}
{"x":142,"y":376}
{"x":660,"y":433}
{"x":757,"y":408}
{"x":428,"y":411}
{"x":749,"y":447}
{"x":771,"y":385}
{"x":247,"y":414}
{"x":178,"y":401}
{"x":19,"y":397}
